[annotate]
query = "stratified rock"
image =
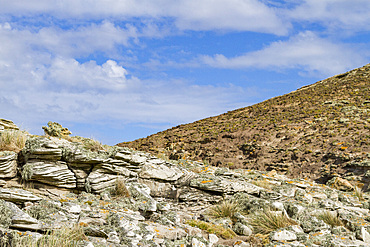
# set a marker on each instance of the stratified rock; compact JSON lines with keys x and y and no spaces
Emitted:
{"x":7,"y":124}
{"x":17,"y":195}
{"x":21,"y":220}
{"x":134,"y":158}
{"x":156,"y":170}
{"x":217,"y":184}
{"x":42,"y":148}
{"x":98,"y":181}
{"x":8,"y":164}
{"x":54,"y":173}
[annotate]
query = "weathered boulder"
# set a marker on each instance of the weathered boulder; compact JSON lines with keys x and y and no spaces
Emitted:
{"x":157,"y":169}
{"x":49,"y":172}
{"x":17,"y":195}
{"x":141,"y":193}
{"x":7,"y":124}
{"x":21,"y":220}
{"x":8,"y":164}
{"x":56,"y":130}
{"x":98,"y":181}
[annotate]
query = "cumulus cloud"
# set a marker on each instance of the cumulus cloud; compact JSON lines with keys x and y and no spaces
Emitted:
{"x":41,"y":80}
{"x":241,"y":15}
{"x":339,"y":14}
{"x":306,"y":51}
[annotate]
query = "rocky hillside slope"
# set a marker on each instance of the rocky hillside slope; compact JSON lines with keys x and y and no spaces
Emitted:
{"x":63,"y":191}
{"x":318,"y":131}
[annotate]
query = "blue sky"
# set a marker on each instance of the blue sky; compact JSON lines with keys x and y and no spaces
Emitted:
{"x":124,"y":69}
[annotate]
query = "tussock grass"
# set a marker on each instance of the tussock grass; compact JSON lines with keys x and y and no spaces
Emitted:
{"x":12,"y":140}
{"x":263,"y":183}
{"x":330,"y":219}
{"x":266,"y":221}
{"x":219,"y":230}
{"x":358,"y":193}
{"x":121,"y":189}
{"x":226,"y":208}
{"x":66,"y":237}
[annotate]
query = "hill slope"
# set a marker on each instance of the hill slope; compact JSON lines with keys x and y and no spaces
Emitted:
{"x":315,"y":131}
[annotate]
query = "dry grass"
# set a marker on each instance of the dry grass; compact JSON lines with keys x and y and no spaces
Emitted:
{"x":266,"y":221}
{"x":359,"y":193}
{"x":66,"y":237}
{"x":226,"y":208}
{"x":330,"y":219}
{"x":13,"y":140}
{"x":219,"y":230}
{"x":263,"y":183}
{"x":121,"y":189}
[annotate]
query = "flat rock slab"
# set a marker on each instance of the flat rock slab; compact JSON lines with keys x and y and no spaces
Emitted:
{"x":17,"y":195}
{"x":160,"y":171}
{"x":224,"y":185}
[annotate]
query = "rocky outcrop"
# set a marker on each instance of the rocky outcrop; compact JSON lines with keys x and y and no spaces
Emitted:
{"x":123,"y":197}
{"x":8,"y":164}
{"x":7,"y":124}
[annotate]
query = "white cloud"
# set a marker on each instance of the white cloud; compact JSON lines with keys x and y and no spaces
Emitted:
{"x":241,"y":15}
{"x":335,"y":14}
{"x":40,"y":80}
{"x":306,"y":51}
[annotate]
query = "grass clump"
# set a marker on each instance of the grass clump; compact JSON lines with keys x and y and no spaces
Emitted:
{"x":13,"y":140}
{"x":266,"y":221}
{"x":219,"y":230}
{"x":121,"y":190}
{"x":330,"y":219}
{"x":358,"y":193}
{"x":66,"y":237}
{"x":227,"y":208}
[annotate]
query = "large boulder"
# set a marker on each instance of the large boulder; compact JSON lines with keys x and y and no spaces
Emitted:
{"x":54,"y":173}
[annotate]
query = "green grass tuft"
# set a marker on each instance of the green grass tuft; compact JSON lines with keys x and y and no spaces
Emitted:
{"x":266,"y":221}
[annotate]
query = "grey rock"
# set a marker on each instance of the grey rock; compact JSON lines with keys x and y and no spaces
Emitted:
{"x":17,"y":195}
{"x":160,"y":171}
{"x":54,"y":173}
{"x":283,"y":235}
{"x":21,"y":220}
{"x":8,"y":124}
{"x":8,"y":164}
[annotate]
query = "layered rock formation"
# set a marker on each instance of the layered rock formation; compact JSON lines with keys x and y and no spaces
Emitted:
{"x":167,"y":203}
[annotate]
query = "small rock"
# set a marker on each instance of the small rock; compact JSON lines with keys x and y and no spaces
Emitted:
{"x":196,"y":243}
{"x":283,"y":235}
{"x":212,"y":239}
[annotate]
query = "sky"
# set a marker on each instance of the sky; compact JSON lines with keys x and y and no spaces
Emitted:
{"x":125,"y":69}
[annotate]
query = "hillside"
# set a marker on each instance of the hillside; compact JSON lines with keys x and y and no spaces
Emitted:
{"x":317,"y":131}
